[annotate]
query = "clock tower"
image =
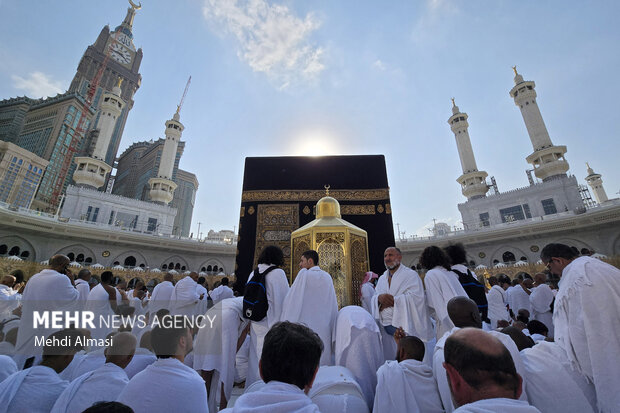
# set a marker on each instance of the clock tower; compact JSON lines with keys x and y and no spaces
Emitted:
{"x":123,"y":63}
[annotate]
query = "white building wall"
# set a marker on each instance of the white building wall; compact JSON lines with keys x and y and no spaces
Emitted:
{"x":564,"y":192}
{"x":78,"y":200}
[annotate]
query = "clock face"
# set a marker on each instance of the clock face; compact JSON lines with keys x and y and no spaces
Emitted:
{"x":120,"y":53}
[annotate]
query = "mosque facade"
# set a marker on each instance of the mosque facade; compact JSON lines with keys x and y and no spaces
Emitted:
{"x":512,"y":226}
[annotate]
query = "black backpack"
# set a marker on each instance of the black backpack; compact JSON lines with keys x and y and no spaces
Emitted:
{"x":475,"y":291}
{"x":255,"y":303}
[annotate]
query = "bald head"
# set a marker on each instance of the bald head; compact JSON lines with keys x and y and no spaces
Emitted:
{"x":59,"y":263}
{"x":194,"y":275}
{"x":84,"y":274}
{"x":168,"y":277}
{"x":410,"y":347}
{"x":479,"y":367}
{"x":540,"y":278}
{"x":121,"y":349}
{"x":8,"y":280}
{"x":145,"y":341}
{"x":463,"y":312}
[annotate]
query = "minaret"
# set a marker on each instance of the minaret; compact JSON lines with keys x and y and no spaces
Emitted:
{"x":162,"y":187}
{"x":131,"y":13}
{"x":547,"y":159}
{"x":91,"y":171}
{"x":596,"y":183}
{"x":473,"y":182}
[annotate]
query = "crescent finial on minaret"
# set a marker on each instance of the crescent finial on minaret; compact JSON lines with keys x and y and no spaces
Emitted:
{"x":515,"y":69}
{"x":134,"y":6}
{"x":453,"y":104}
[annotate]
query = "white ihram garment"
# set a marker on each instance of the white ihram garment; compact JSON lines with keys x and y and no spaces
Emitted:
{"x":277,"y":288}
{"x":407,"y":386}
{"x":552,"y":386}
{"x":358,"y":348}
{"x":33,"y":390}
{"x":166,"y":386}
{"x":585,"y":317}
{"x":215,"y":345}
{"x":103,"y":384}
{"x":335,"y":390}
{"x":496,"y":298}
{"x":311,"y":301}
{"x":441,"y":286}
{"x":540,"y":300}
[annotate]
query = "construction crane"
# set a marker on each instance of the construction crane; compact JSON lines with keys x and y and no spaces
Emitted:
{"x":184,"y":94}
{"x":80,"y":130}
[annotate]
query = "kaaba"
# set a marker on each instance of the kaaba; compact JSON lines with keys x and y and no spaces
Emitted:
{"x":280,"y":194}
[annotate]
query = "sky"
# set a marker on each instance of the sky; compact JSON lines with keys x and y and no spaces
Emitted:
{"x":344,"y":77}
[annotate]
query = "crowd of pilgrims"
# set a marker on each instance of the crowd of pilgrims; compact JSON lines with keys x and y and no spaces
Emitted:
{"x":446,"y":342}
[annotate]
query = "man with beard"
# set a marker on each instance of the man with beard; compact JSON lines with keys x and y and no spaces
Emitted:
{"x":400,"y":302}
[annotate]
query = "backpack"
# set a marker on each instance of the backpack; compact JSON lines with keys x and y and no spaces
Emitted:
{"x":255,"y":303}
{"x":475,"y":291}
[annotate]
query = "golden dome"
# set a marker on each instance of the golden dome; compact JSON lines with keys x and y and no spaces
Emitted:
{"x":328,"y":207}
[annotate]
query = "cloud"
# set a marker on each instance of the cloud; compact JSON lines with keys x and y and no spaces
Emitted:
{"x":378,"y":64}
{"x":37,"y":85}
{"x":272,"y":40}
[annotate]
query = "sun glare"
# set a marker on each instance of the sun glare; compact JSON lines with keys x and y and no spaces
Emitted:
{"x":315,"y":143}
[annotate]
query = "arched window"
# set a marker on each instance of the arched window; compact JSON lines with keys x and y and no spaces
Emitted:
{"x":215,"y":268}
{"x":171,"y":265}
{"x":203,"y":269}
{"x":14,"y":250}
{"x":183,"y":268}
{"x":130,"y":261}
{"x":472,"y":263}
{"x":25,"y":254}
{"x":80,"y":258}
{"x":88,"y":260}
{"x":209,"y":268}
{"x":508,"y":257}
{"x":142,"y":265}
{"x":164,"y":267}
{"x":177,"y":266}
{"x":116,"y":263}
{"x":3,"y":249}
{"x":523,"y":259}
{"x":584,"y":251}
{"x":71,"y":256}
{"x":495,"y":262}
